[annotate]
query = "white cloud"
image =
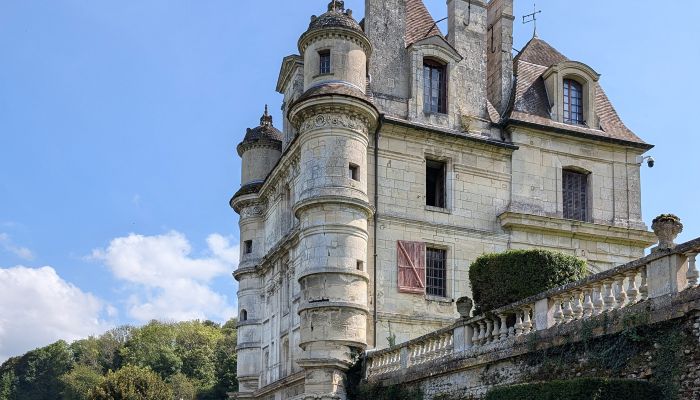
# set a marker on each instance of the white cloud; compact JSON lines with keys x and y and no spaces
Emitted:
{"x":8,"y":245}
{"x":37,"y":307}
{"x":166,"y":281}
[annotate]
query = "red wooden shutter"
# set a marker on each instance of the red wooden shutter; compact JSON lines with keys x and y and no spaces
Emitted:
{"x":411,"y":266}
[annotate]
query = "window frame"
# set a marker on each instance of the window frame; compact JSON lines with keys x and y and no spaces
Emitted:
{"x":573,"y":98}
{"x":431,"y":66}
{"x":431,"y":289}
{"x":443,"y":196}
{"x":247,"y":247}
{"x":325,"y":65}
{"x":579,"y":207}
{"x":354,"y":172}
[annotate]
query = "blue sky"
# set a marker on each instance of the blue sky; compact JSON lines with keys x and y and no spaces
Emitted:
{"x":119,"y":121}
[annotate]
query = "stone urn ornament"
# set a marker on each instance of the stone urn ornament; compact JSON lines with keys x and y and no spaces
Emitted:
{"x":464,"y":306}
{"x":666,"y":227}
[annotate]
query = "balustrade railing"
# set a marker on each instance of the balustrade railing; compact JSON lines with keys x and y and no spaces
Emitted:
{"x":658,"y":274}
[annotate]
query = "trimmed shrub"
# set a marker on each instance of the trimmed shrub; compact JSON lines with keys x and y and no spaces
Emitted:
{"x":579,"y":389}
{"x":501,"y":279}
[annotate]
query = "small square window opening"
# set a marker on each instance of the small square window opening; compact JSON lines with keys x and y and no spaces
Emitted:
{"x":360,"y":265}
{"x":354,"y":172}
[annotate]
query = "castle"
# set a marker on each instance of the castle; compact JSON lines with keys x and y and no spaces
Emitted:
{"x":405,"y":153}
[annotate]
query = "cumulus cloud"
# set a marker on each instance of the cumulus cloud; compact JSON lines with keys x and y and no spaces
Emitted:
{"x":9,"y":246}
{"x":37,"y":307}
{"x":164,"y":278}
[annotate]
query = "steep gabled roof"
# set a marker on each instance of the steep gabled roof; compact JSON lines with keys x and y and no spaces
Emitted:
{"x":530,"y":105}
{"x":419,"y":23}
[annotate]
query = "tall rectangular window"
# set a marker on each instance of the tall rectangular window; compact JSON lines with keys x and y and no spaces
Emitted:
{"x":247,"y":247}
{"x":436,"y":272}
{"x":573,"y":102}
{"x":575,"y":195}
{"x":434,"y":87}
{"x":435,"y":184}
{"x":325,"y":61}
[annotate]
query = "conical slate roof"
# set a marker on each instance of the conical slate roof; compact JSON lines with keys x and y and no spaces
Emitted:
{"x":265,"y":132}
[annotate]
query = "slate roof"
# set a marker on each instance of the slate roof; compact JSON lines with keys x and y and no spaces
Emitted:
{"x":335,"y":17}
{"x":529,"y":103}
{"x":265,"y":132}
{"x":419,"y":23}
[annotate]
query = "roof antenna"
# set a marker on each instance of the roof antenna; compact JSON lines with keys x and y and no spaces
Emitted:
{"x":532,"y":18}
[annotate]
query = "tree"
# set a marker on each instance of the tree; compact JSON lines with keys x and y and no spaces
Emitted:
{"x":78,"y":383}
{"x":38,"y":372}
{"x":153,"y":346}
{"x":183,"y":387}
{"x":132,"y":383}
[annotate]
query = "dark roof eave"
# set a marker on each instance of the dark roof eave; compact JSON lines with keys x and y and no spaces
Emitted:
{"x":490,"y":142}
{"x":645,"y":146}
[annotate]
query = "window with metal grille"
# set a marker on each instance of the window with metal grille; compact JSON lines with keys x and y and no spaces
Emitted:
{"x":434,"y":87}
{"x":435,"y":183}
{"x":575,"y":195}
{"x":325,"y":61}
{"x":573,"y":102}
{"x":436,"y":272}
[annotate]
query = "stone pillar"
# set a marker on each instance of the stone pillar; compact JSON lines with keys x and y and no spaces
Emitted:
{"x":499,"y":54}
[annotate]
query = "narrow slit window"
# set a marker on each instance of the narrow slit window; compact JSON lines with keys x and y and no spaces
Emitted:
{"x":354,"y":172}
{"x":325,"y":61}
{"x":360,"y":265}
{"x":436,"y":272}
{"x":434,"y":87}
{"x":248,"y":247}
{"x":435,"y":184}
{"x":575,"y":195}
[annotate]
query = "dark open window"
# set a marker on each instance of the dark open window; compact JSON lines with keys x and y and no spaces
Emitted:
{"x":436,"y":272}
{"x":575,"y":195}
{"x":354,"y":172}
{"x":244,"y":315}
{"x":573,"y":102}
{"x":247,"y":247}
{"x":435,"y":183}
{"x":325,"y":61}
{"x":435,"y":87}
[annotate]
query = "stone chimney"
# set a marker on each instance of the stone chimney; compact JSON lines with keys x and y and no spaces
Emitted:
{"x":467,"y":34}
{"x":499,"y":43}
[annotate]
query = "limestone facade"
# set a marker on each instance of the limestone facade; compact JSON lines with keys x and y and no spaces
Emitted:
{"x":324,"y":202}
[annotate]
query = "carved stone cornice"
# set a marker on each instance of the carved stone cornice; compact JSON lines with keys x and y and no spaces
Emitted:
{"x":333,"y":120}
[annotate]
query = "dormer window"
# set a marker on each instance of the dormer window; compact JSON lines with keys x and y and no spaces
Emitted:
{"x":573,"y":102}
{"x":324,"y":62}
{"x":435,"y":87}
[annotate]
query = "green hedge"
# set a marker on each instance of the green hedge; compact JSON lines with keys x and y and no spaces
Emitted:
{"x":501,"y":279}
{"x":579,"y":389}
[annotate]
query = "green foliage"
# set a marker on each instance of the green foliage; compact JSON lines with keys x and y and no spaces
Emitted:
{"x":78,"y":383}
{"x":194,"y":358}
{"x":35,"y":375}
{"x":396,"y":392}
{"x":501,"y":279}
{"x":132,"y":383}
{"x":579,"y":389}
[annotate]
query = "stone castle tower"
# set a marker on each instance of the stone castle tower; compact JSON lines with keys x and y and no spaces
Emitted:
{"x":405,"y":154}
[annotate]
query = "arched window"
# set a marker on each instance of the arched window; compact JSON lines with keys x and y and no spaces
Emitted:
{"x":434,"y":87}
{"x":573,"y":102}
{"x":244,"y":315}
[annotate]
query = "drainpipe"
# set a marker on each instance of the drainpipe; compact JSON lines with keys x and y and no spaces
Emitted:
{"x":376,"y":218}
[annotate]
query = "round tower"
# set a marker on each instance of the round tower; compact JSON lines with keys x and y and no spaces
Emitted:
{"x":333,"y":119}
{"x":260,"y":150}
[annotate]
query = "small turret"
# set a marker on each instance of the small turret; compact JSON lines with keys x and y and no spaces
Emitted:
{"x":260,"y":150}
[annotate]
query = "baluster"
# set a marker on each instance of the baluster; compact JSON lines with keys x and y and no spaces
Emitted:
{"x":496,"y":330}
{"x":621,"y":294}
{"x":598,"y":303}
{"x":609,"y":298}
{"x":527,"y":322}
{"x":692,"y":274}
{"x":518,"y":324}
{"x":475,"y":335}
{"x":489,"y":330}
{"x":587,"y":302}
{"x":482,"y":333}
{"x":568,"y":312}
{"x":632,"y":291}
{"x":643,"y":288}
{"x":558,"y":313}
{"x":504,"y":327}
{"x":577,"y":306}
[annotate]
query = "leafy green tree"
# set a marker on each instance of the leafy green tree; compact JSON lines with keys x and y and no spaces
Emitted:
{"x":38,"y":372}
{"x":132,"y":383}
{"x":78,"y":383}
{"x":8,"y":378}
{"x":183,"y":387}
{"x":195,"y":344}
{"x":153,"y":346}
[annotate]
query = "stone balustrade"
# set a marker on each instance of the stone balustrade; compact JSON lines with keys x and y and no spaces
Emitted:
{"x":663,"y":272}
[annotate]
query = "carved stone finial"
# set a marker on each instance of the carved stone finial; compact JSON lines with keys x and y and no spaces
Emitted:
{"x":666,"y":227}
{"x":336,"y":6}
{"x":266,"y":119}
{"x":464,"y":306}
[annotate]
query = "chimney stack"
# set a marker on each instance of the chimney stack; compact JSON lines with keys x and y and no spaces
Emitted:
{"x":499,"y":43}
